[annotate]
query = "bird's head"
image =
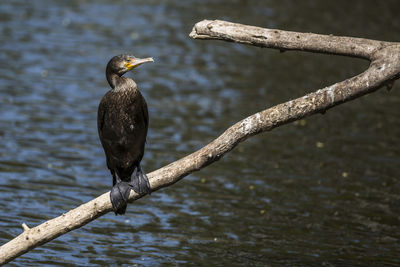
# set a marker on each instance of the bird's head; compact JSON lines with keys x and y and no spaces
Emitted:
{"x":123,"y":63}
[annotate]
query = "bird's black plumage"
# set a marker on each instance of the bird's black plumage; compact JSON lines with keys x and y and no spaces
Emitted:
{"x":122,"y":123}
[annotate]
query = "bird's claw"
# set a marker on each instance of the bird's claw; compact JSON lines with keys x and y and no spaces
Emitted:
{"x":119,"y":195}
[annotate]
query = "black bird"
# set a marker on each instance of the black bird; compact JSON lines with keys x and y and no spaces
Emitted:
{"x":122,"y":123}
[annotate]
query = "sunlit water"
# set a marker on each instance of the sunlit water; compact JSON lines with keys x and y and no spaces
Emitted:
{"x":321,"y":191}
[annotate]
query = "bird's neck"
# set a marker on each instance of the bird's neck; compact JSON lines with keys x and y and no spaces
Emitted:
{"x":121,"y":84}
{"x":112,"y":78}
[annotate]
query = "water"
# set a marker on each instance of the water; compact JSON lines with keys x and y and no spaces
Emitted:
{"x":324,"y":191}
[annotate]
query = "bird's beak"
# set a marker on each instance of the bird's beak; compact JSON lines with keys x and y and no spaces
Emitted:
{"x":134,"y":62}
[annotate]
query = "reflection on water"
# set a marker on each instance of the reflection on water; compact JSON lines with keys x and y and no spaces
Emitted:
{"x":323,"y":190}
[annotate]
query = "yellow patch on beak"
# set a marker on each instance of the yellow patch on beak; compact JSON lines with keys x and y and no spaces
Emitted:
{"x":129,"y":65}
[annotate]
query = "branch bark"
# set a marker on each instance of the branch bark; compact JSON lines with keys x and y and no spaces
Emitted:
{"x":383,"y":70}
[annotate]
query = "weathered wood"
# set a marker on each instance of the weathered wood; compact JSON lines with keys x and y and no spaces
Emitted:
{"x":383,"y":70}
{"x":286,"y":40}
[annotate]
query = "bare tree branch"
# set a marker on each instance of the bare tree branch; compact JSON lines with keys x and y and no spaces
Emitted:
{"x":286,"y":40}
{"x":383,"y":70}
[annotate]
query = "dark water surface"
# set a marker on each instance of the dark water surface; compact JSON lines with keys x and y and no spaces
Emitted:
{"x":323,"y":191}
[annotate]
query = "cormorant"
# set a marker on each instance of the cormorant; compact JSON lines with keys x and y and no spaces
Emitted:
{"x":122,"y":123}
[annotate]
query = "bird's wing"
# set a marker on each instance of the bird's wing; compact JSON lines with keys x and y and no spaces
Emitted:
{"x":100,"y":117}
{"x":145,"y":114}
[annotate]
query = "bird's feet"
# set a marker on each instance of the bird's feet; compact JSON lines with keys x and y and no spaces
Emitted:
{"x":119,"y":196}
{"x":140,"y":182}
